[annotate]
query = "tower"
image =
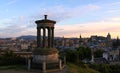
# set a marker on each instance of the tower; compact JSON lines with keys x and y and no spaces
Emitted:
{"x":63,"y":41}
{"x":118,"y":42}
{"x":45,"y":51}
{"x":80,"y":41}
{"x":108,"y":37}
{"x":108,"y":41}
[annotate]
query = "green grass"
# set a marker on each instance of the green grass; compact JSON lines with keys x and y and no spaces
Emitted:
{"x":76,"y":69}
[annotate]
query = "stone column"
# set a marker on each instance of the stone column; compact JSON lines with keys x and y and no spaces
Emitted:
{"x":44,"y":67}
{"x":52,"y":38}
{"x":65,"y":60}
{"x":49,"y":37}
{"x":29,"y":64}
{"x":60,"y":64}
{"x":92,"y":51}
{"x":38,"y":37}
{"x":44,"y":37}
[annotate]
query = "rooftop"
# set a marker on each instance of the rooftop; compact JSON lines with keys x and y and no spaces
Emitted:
{"x":45,"y":20}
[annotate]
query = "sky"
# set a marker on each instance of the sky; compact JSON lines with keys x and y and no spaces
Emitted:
{"x":73,"y":17}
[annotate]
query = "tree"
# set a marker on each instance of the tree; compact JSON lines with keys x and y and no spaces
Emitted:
{"x":98,"y":53}
{"x":10,"y":58}
{"x":116,"y":43}
{"x":70,"y":55}
{"x":78,"y":54}
{"x":84,"y":53}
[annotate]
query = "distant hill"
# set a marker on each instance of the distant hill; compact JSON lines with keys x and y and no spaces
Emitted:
{"x":27,"y":37}
{"x":31,"y":37}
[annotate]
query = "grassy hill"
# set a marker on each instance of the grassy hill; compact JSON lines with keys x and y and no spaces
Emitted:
{"x":76,"y":69}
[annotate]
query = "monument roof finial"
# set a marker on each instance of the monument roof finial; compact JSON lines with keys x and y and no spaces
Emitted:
{"x":45,"y":20}
{"x":45,"y":17}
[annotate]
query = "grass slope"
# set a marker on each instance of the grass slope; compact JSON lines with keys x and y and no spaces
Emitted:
{"x":76,"y":69}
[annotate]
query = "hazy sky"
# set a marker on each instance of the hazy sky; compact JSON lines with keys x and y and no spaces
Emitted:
{"x":74,"y":17}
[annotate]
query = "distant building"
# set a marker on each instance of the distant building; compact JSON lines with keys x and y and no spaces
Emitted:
{"x":108,"y":42}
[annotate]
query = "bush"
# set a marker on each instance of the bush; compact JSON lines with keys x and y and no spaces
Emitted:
{"x":106,"y":68}
{"x":9,"y":58}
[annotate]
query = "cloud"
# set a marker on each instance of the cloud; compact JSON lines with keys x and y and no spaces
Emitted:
{"x":8,"y":3}
{"x":16,"y":30}
{"x":114,"y":3}
{"x":11,"y":2}
{"x":116,"y":19}
{"x":111,"y":8}
{"x":60,"y":13}
{"x":95,"y":28}
{"x":17,"y":26}
{"x":24,"y":25}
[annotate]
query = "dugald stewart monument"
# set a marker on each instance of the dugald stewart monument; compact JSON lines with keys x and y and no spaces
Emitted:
{"x":46,"y":56}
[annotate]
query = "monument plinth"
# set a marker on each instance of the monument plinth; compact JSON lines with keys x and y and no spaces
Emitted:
{"x":45,"y":51}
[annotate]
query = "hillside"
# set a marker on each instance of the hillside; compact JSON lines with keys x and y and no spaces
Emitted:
{"x":27,"y":37}
{"x":76,"y":69}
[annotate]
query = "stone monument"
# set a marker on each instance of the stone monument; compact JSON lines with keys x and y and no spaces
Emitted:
{"x":45,"y":51}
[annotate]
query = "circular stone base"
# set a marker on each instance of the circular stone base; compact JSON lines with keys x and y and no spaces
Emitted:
{"x":46,"y":58}
{"x":45,"y":51}
{"x":45,"y":54}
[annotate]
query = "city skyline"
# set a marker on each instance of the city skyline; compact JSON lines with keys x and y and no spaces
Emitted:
{"x":74,"y":17}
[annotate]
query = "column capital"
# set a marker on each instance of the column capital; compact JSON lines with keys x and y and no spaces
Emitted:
{"x":39,"y":27}
{"x":52,"y":27}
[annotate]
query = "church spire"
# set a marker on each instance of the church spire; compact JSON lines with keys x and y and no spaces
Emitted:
{"x":80,"y":36}
{"x":118,"y":37}
{"x":108,"y":37}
